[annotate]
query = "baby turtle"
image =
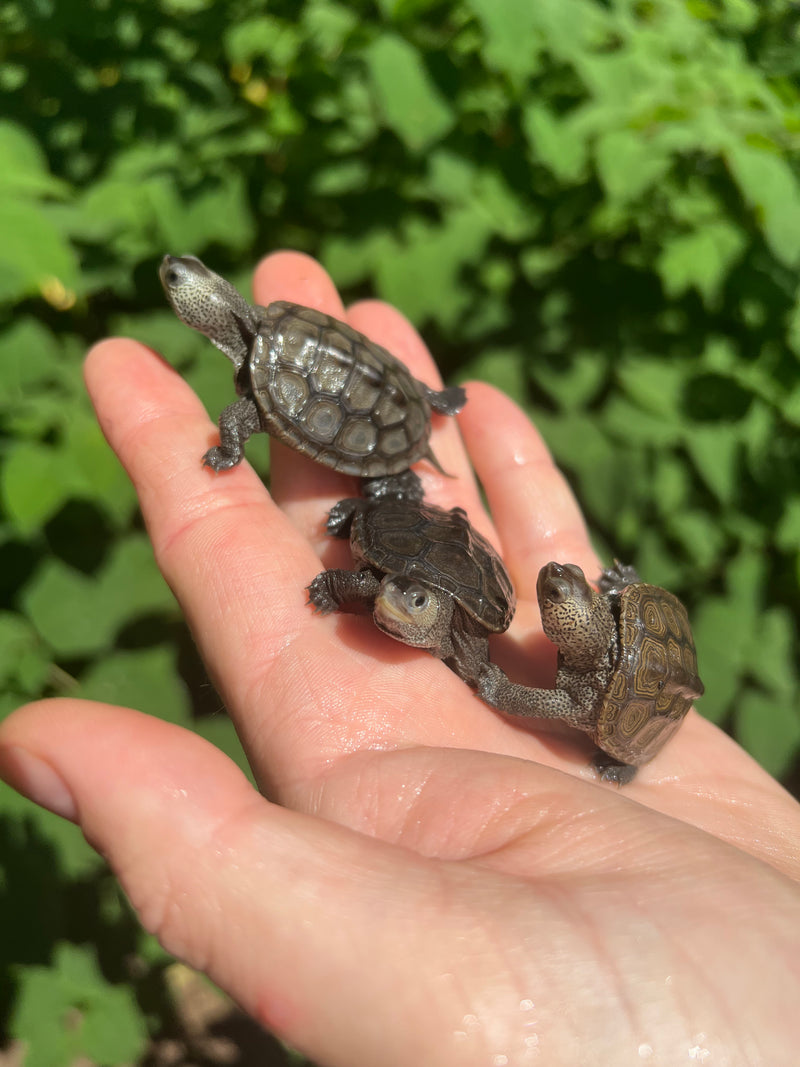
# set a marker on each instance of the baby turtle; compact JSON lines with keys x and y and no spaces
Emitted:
{"x":313,"y":382}
{"x":627,"y":667}
{"x":430,"y":579}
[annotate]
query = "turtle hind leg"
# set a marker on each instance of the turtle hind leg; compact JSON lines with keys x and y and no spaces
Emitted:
{"x":236,"y":423}
{"x":405,"y":486}
{"x":613,"y":770}
{"x":446,"y":401}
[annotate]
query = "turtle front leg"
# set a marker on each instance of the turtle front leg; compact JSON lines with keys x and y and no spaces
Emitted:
{"x":465,"y":650}
{"x":495,"y":688}
{"x":236,"y":423}
{"x":336,"y":590}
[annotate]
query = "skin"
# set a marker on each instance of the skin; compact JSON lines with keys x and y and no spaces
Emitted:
{"x":439,"y":885}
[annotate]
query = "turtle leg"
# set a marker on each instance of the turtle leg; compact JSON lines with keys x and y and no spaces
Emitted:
{"x":467,"y":653}
{"x":341,"y":515}
{"x":405,"y":486}
{"x":236,"y":423}
{"x":614,"y":579}
{"x":446,"y":401}
{"x":613,"y":770}
{"x":495,"y":688}
{"x":336,"y":590}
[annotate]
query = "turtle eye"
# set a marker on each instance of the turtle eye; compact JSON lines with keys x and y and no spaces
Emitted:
{"x":556,"y":592}
{"x":416,"y":598}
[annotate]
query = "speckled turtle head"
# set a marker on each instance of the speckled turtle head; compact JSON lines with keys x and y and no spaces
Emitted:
{"x":412,"y":611}
{"x":206,"y":302}
{"x":574,"y":617}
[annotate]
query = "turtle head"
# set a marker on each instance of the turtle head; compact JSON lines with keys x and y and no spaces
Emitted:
{"x":574,"y":617}
{"x":410,"y":611}
{"x":208,"y":303}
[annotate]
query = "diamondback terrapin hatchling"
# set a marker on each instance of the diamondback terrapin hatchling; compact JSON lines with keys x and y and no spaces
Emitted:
{"x":311,"y":381}
{"x":627,"y":667}
{"x":430,"y":579}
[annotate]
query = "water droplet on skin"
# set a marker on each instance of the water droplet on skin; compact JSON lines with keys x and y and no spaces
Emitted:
{"x":645,"y":1052}
{"x":526,"y":1005}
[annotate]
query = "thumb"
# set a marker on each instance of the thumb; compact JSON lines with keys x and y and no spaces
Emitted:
{"x":316,"y":930}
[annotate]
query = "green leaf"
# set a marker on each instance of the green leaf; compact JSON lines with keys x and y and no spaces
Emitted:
{"x":78,"y":615}
{"x":407,"y":98}
{"x":656,"y":385}
{"x":63,"y":605}
{"x":773,"y":659}
{"x":558,"y":144}
{"x":769,"y":728}
{"x":23,"y":662}
{"x":722,"y":632}
{"x":701,"y":260}
{"x":572,"y":383}
{"x":145,"y":679}
{"x":31,"y":485}
{"x":24,"y":172}
{"x":328,"y":25}
{"x":787,"y":532}
{"x":716,"y":453}
{"x":92,"y":470}
{"x":131,"y":583}
{"x":627,"y":423}
{"x":700,"y":534}
{"x":70,"y":1011}
{"x":768,"y":184}
{"x":502,"y":367}
{"x":513,"y":39}
{"x":29,"y":358}
{"x":628,"y":165}
{"x":265,"y":36}
{"x":35,"y":256}
{"x":420,"y":274}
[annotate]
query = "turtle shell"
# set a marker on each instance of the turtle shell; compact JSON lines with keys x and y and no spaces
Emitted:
{"x":655,"y":680}
{"x":329,"y":392}
{"x":440,"y":549}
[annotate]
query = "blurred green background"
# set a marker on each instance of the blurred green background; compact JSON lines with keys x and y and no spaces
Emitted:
{"x":594,"y":205}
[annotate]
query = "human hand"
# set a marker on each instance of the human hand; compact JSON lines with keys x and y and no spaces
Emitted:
{"x":440,"y":884}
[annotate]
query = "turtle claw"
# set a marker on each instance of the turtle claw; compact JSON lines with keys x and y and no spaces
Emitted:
{"x":219,"y":460}
{"x":612,"y":770}
{"x":319,"y":595}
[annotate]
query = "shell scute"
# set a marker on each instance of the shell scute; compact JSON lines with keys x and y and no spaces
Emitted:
{"x":655,"y":681}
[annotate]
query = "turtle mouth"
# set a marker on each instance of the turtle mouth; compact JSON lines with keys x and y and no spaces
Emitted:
{"x":406,"y":611}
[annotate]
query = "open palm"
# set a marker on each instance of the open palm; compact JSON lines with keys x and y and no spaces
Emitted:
{"x":440,"y":884}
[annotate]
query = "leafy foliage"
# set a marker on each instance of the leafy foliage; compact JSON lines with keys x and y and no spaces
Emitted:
{"x":593,"y":203}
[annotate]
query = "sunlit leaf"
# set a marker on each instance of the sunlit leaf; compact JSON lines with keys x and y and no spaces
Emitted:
{"x":769,"y":728}
{"x":407,"y":97}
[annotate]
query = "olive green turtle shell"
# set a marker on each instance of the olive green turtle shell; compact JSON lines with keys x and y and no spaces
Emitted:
{"x":438,"y":548}
{"x":328,"y":391}
{"x":655,"y":681}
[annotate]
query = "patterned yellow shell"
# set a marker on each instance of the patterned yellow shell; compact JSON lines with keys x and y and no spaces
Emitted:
{"x":656,"y":679}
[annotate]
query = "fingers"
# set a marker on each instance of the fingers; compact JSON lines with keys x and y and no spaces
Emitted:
{"x":534,"y":510}
{"x":317,"y":931}
{"x":302,"y":689}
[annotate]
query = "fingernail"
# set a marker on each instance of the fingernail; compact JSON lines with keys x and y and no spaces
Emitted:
{"x":37,"y":781}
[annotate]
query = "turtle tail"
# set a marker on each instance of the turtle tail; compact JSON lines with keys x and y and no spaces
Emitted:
{"x":434,"y":462}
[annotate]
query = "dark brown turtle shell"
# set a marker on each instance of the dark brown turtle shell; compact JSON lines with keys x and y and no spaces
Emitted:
{"x":440,"y":549}
{"x":328,"y":391}
{"x":655,"y":680}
